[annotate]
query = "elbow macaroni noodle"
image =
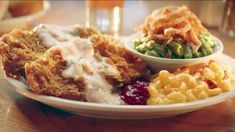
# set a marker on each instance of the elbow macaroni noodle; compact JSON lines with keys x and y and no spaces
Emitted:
{"x":189,"y":84}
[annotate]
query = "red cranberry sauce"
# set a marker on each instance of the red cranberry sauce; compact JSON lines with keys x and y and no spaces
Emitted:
{"x":135,"y":93}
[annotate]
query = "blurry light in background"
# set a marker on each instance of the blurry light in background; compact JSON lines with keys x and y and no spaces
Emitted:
{"x":116,"y":20}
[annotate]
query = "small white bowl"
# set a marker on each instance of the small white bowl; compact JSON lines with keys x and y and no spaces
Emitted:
{"x":7,"y":25}
{"x":157,"y":63}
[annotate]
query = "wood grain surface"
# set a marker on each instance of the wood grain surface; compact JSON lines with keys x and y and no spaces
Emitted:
{"x":20,"y":114}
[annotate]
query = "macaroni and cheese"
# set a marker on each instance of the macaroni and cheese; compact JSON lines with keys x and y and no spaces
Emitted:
{"x":189,"y":84}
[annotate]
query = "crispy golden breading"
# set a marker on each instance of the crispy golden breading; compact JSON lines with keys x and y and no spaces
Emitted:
{"x":44,"y":75}
{"x":20,"y":47}
{"x":84,"y":32}
{"x":128,"y":65}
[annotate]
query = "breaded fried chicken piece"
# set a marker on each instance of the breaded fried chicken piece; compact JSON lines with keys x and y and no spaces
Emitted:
{"x":44,"y":76}
{"x":129,"y":66}
{"x":19,"y":47}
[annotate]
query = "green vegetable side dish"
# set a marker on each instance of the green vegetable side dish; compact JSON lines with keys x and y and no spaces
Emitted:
{"x":176,"y":49}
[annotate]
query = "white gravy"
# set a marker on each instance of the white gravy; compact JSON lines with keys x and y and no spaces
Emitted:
{"x":52,"y":35}
{"x":79,"y":55}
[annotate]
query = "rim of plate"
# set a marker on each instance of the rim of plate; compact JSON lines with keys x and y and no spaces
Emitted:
{"x":128,"y":42}
{"x":24,"y":90}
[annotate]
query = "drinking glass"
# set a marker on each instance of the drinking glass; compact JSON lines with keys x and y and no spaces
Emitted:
{"x":106,"y":15}
{"x":228,"y":22}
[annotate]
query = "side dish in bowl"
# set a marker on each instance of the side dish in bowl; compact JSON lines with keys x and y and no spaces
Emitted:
{"x":160,"y":63}
{"x":173,"y":36}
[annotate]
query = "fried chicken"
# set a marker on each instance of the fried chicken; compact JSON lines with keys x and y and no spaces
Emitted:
{"x":19,"y":47}
{"x":36,"y":56}
{"x":129,"y":66}
{"x":44,"y":76}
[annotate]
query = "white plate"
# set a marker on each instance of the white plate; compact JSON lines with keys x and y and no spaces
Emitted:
{"x":126,"y":111}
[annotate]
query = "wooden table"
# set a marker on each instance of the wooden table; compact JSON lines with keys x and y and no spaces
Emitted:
{"x":20,"y":114}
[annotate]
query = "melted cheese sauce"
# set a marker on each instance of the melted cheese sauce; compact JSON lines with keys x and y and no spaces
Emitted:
{"x":52,"y":35}
{"x":83,"y":64}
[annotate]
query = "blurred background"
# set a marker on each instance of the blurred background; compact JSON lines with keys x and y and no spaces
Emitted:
{"x":117,"y":17}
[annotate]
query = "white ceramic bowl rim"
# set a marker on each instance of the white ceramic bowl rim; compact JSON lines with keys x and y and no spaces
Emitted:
{"x":129,"y":45}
